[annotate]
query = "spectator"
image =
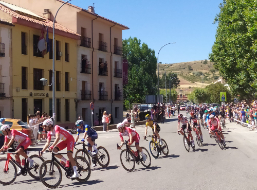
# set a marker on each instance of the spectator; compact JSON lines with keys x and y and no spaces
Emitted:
{"x":109,"y":118}
{"x":243,"y":119}
{"x":104,"y":121}
{"x":2,"y":121}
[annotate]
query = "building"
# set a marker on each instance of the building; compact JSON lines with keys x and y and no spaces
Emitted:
{"x":5,"y":69}
{"x":29,"y":65}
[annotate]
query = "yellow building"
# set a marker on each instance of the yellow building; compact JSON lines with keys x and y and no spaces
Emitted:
{"x":29,"y":65}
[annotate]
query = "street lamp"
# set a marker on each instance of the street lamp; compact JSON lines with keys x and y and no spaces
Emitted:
{"x":158,"y":68}
{"x":53,"y":75}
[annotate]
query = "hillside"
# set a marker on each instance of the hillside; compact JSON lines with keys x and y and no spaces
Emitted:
{"x":191,"y":74}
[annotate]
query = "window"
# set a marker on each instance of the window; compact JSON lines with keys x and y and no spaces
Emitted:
{"x":83,"y":32}
{"x":24,"y":81}
{"x":36,"y":51}
{"x":24,"y":109}
{"x":66,"y":52}
{"x":67,"y":81}
{"x":116,"y":112}
{"x":2,"y":50}
{"x":23,"y":43}
{"x":102,"y":44}
{"x":50,"y":80}
{"x":37,"y":75}
{"x":58,"y":50}
{"x":67,"y":110}
{"x":50,"y":49}
{"x":58,"y":109}
{"x":58,"y":81}
{"x":50,"y":107}
{"x":84,"y":111}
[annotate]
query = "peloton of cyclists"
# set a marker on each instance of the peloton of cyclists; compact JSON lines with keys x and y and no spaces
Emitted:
{"x":195,"y":124}
{"x":155,"y":127}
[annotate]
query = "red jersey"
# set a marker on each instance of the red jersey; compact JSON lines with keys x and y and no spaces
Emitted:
{"x":64,"y":134}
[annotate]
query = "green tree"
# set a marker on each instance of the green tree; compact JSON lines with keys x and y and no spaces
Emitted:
{"x":235,"y":49}
{"x":142,"y":77}
{"x":171,"y":79}
{"x":205,"y":62}
{"x":214,"y":92}
{"x":213,"y":72}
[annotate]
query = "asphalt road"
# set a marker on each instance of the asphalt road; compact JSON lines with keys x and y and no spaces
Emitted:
{"x":208,"y":167}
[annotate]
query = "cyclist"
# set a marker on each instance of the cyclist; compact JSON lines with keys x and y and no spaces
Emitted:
{"x":185,"y":124}
{"x":21,"y":138}
{"x":90,"y":133}
{"x":127,"y":122}
{"x":155,"y":127}
{"x":195,"y":124}
{"x":214,"y":124}
{"x":133,"y":136}
{"x":67,"y":141}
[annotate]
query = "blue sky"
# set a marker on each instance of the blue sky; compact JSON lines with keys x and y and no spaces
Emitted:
{"x":189,"y":23}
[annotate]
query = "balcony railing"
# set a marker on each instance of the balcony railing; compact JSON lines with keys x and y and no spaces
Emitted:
{"x":85,"y":68}
{"x":102,"y":46}
{"x":117,"y":50}
{"x":118,"y":73}
{"x":118,"y":95}
{"x":103,"y":95}
{"x":2,"y":50}
{"x":2,"y":94}
{"x":85,"y":95}
{"x":85,"y":42}
{"x":103,"y":70}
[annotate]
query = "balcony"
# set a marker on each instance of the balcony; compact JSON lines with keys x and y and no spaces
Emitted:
{"x":85,"y":67}
{"x":102,"y":46}
{"x":118,"y":95}
{"x":2,"y":50}
{"x":85,"y":42}
{"x":103,"y":95}
{"x":118,"y":73}
{"x":117,"y":50}
{"x":2,"y":94}
{"x":85,"y":95}
{"x":103,"y":69}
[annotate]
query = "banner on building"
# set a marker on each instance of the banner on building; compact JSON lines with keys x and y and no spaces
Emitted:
{"x":223,"y":96}
{"x":125,"y":71}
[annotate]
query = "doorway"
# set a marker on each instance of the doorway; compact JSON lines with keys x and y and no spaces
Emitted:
{"x":100,"y":115}
{"x":38,"y":105}
{"x":24,"y":109}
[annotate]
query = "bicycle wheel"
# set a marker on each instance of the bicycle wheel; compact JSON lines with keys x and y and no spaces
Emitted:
{"x":103,"y":157}
{"x":34,"y":171}
{"x":218,"y":140}
{"x":84,"y":169}
{"x":9,"y":176}
{"x":165,"y":148}
{"x":153,"y":149}
{"x":186,"y":144}
{"x":147,"y":162}
{"x":127,"y":160}
{"x":50,"y":174}
{"x":83,"y":154}
{"x":198,"y":140}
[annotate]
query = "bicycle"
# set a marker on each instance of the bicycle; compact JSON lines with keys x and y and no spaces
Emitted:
{"x":51,"y":169}
{"x":156,"y":149}
{"x":99,"y":158}
{"x":218,"y":139}
{"x":8,"y":168}
{"x":187,"y":142}
{"x":131,"y":157}
{"x":222,"y":121}
{"x":197,"y":135}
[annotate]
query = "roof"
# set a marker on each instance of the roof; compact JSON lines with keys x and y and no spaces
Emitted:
{"x":5,"y":22}
{"x":94,"y":14}
{"x":24,"y":14}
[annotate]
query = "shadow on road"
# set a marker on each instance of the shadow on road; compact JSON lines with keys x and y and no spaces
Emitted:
{"x":225,"y":133}
{"x":79,"y":184}
{"x":171,"y":119}
{"x":201,"y":149}
{"x":171,"y":156}
{"x":207,"y":144}
{"x":229,"y":141}
{"x":30,"y":181}
{"x":230,"y":147}
{"x":148,"y":169}
{"x":107,"y":168}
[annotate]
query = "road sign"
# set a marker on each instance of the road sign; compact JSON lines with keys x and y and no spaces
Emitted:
{"x":223,"y":96}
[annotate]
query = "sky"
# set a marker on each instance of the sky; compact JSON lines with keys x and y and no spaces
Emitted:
{"x":188,"y":23}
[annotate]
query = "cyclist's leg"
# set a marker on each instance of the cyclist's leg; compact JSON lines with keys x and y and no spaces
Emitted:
{"x":21,"y":151}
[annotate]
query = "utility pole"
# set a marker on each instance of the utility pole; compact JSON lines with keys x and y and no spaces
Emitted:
{"x":165,"y":87}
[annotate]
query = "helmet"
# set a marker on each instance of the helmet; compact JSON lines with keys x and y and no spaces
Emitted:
{"x":211,"y":116}
{"x":48,"y":122}
{"x":147,"y":116}
{"x":120,"y":125}
{"x":5,"y":127}
{"x":205,"y":111}
{"x":180,"y":116}
{"x":192,"y":113}
{"x":2,"y":119}
{"x":79,"y":122}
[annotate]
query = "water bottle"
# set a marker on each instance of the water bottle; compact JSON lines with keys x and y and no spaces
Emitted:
{"x":23,"y":162}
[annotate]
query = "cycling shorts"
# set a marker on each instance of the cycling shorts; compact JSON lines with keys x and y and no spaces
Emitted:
{"x":214,"y":128}
{"x":93,"y":136}
{"x":157,"y":129}
{"x":24,"y":144}
{"x":185,"y":126}
{"x":135,"y":139}
{"x":69,"y":143}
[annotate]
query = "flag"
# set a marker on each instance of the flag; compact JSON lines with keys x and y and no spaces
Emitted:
{"x":47,"y":41}
{"x":42,"y":43}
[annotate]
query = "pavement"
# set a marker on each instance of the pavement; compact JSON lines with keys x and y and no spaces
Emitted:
{"x":208,"y":167}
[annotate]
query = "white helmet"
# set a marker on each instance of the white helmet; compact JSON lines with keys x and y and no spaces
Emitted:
{"x":5,"y":127}
{"x":119,"y":125}
{"x":48,"y":122}
{"x":211,"y":116}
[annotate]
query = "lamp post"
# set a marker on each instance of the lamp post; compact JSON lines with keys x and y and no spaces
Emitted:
{"x":53,"y":75}
{"x":158,"y":68}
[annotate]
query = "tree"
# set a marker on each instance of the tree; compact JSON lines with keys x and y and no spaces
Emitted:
{"x":235,"y":49}
{"x":142,"y":77}
{"x":213,"y":72}
{"x":214,"y":92}
{"x":205,"y":62}
{"x":171,"y":79}
{"x":171,"y":95}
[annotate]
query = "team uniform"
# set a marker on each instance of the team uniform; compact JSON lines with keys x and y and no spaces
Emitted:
{"x":90,"y":132}
{"x":21,"y":138}
{"x":214,"y":124}
{"x":151,"y":124}
{"x":194,"y":119}
{"x":66,"y":137}
{"x":184,"y":122}
{"x":127,"y":131}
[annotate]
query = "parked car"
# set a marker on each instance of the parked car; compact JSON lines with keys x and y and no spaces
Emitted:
{"x":20,"y":126}
{"x":182,"y":108}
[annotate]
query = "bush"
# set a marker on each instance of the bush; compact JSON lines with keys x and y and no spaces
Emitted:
{"x":143,"y":114}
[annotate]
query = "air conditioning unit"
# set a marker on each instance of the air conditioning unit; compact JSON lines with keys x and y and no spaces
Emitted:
{"x":17,"y":89}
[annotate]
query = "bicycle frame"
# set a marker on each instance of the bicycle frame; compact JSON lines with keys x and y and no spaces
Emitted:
{"x":14,"y":161}
{"x":54,"y":159}
{"x":130,"y":150}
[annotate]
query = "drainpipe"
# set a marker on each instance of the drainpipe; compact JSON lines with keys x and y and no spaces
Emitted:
{"x":111,"y":64}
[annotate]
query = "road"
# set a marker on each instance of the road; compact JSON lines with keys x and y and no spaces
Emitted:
{"x":207,"y":168}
